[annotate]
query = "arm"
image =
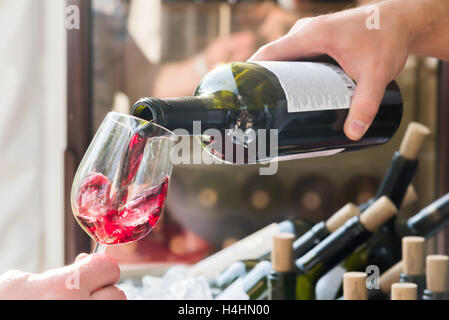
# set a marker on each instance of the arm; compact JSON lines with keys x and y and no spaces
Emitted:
{"x":371,"y":56}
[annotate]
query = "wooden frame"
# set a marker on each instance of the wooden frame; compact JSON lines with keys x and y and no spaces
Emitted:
{"x":79,"y":106}
{"x":443,"y":143}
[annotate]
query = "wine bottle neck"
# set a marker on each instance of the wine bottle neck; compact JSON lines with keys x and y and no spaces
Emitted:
{"x":192,"y":114}
{"x":431,"y":219}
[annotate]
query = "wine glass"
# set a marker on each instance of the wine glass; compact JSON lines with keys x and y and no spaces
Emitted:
{"x":121,"y":184}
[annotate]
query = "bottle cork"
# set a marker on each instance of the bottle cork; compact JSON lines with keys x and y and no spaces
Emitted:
{"x":341,"y":216}
{"x":413,"y":140}
{"x":437,"y":273}
{"x":390,"y":276}
{"x":410,"y":197}
{"x":404,"y":291}
{"x":282,"y":253}
{"x":413,"y":253}
{"x":354,"y":286}
{"x":378,"y":213}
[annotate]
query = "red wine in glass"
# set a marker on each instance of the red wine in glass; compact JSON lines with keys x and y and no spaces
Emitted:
{"x":121,"y":187}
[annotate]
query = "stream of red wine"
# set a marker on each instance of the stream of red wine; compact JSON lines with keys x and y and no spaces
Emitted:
{"x":113,"y":218}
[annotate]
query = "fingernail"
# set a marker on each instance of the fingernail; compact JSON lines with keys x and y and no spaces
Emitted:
{"x":357,"y":128}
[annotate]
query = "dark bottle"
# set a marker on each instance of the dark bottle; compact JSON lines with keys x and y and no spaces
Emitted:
{"x":429,"y":220}
{"x":282,"y":278}
{"x":272,"y":110}
{"x":337,"y":246}
{"x":384,"y":248}
{"x":413,"y":254}
{"x":437,"y":277}
{"x":323,"y":229}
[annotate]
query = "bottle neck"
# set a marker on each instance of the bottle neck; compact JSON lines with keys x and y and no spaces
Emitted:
{"x":309,"y":239}
{"x":191,"y":114}
{"x":431,"y":219}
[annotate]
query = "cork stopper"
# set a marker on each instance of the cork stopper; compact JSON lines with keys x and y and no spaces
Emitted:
{"x":354,"y":286}
{"x":378,"y":213}
{"x":390,"y":276}
{"x":413,"y":140}
{"x":404,"y":291}
{"x":341,"y":216}
{"x":282,"y":253}
{"x":413,"y":253}
{"x":437,"y":273}
{"x":410,"y":197}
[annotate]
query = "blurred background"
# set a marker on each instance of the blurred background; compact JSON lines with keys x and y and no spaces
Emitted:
{"x":57,"y":84}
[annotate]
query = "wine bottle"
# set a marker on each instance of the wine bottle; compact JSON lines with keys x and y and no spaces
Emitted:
{"x":354,"y":286}
{"x":302,"y":104}
{"x":282,"y":278}
{"x":437,"y":275}
{"x":429,"y":220}
{"x":254,"y":246}
{"x":413,"y":253}
{"x":253,"y":286}
{"x":338,"y":245}
{"x":386,"y":280}
{"x":404,"y":291}
{"x":227,"y":277}
{"x":384,"y":248}
{"x":323,"y":229}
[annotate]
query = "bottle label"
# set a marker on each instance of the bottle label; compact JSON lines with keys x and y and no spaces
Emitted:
{"x":311,"y":86}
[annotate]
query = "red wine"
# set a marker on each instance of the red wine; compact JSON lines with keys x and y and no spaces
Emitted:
{"x":110,"y":217}
{"x":305,"y":103}
{"x":108,"y":224}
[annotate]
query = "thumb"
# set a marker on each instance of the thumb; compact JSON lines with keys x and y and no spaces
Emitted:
{"x":365,"y":104}
{"x":81,"y":256}
{"x":299,"y":42}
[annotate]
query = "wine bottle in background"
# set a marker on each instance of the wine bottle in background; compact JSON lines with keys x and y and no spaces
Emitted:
{"x":282,"y":278}
{"x":252,"y":286}
{"x":227,"y":277}
{"x":428,"y":221}
{"x":254,"y":246}
{"x":354,"y":286}
{"x":313,"y":197}
{"x":404,"y":291}
{"x":360,"y":189}
{"x":386,"y":280}
{"x":376,"y":246}
{"x":413,"y":254}
{"x":323,"y":229}
{"x":385,"y":245}
{"x":437,"y":277}
{"x":263,"y":195}
{"x":306,"y":102}
{"x":338,"y":245}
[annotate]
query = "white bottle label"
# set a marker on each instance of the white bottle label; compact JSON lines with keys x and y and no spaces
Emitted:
{"x":311,"y":86}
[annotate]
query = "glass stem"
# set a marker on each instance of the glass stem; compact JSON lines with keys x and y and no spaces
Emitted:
{"x":99,"y":248}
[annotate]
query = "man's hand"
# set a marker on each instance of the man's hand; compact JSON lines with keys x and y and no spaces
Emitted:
{"x":91,"y":277}
{"x":372,"y":57}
